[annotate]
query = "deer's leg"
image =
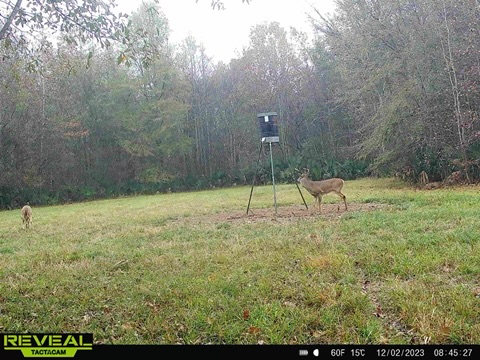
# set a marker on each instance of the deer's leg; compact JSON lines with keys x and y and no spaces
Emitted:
{"x":344,"y":201}
{"x":319,"y":199}
{"x":344,"y":198}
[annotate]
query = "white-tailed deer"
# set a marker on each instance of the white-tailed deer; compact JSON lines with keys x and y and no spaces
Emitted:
{"x":319,"y":188}
{"x":27,"y":216}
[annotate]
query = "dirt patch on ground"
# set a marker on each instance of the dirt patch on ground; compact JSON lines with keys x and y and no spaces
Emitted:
{"x":288,"y":213}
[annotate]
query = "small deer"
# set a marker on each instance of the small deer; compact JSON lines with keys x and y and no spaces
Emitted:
{"x":319,"y":188}
{"x":27,"y":217}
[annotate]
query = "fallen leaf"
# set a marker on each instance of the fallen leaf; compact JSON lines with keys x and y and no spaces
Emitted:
{"x":127,"y":326}
{"x":379,"y":312}
{"x":153,"y":306}
{"x":253,"y":330}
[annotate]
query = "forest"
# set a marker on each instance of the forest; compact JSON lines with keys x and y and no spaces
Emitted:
{"x":94,"y":104}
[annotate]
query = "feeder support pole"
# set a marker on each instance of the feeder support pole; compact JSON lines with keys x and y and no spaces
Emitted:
{"x":273,"y":179}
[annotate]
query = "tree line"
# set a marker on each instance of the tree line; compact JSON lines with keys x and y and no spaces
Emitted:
{"x":387,"y":87}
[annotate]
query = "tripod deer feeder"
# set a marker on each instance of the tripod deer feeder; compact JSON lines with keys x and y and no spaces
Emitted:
{"x":269,"y":134}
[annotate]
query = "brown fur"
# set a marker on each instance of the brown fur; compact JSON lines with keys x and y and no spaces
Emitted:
{"x":27,"y":217}
{"x":320,"y":188}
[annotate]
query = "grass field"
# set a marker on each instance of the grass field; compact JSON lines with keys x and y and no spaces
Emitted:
{"x":401,"y":266}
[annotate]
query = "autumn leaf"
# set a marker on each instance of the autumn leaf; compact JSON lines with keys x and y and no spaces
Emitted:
{"x":128,"y":326}
{"x":246,"y":314}
{"x":253,"y":330}
{"x":153,"y":306}
{"x":476,"y":293}
{"x":379,"y":312}
{"x":122,"y":58}
{"x":445,"y":328}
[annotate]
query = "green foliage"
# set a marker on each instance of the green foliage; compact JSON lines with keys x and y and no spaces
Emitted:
{"x":407,"y":84}
{"x":154,"y":175}
{"x":434,"y":162}
{"x":79,"y":22}
{"x":349,"y":169}
{"x":371,"y":97}
{"x":474,"y":154}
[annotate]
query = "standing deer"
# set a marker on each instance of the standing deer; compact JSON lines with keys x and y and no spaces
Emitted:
{"x":319,"y":188}
{"x":26,"y":215}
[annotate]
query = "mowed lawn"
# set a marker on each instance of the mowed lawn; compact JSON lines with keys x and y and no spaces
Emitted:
{"x":401,"y":266}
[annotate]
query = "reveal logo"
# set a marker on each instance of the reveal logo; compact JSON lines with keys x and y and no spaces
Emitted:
{"x":48,"y":345}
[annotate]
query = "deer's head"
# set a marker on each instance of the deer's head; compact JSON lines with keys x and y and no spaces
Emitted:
{"x":303,"y":175}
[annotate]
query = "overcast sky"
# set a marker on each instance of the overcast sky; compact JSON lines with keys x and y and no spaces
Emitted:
{"x":224,"y":33}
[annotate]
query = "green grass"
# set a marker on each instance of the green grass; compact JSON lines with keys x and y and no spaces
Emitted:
{"x":193,"y":268}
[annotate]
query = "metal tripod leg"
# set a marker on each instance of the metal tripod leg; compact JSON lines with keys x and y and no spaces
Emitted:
{"x":304,"y":202}
{"x":254,"y":176}
{"x":298,"y":187}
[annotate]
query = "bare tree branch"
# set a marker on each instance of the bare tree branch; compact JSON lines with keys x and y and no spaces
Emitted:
{"x":10,"y":18}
